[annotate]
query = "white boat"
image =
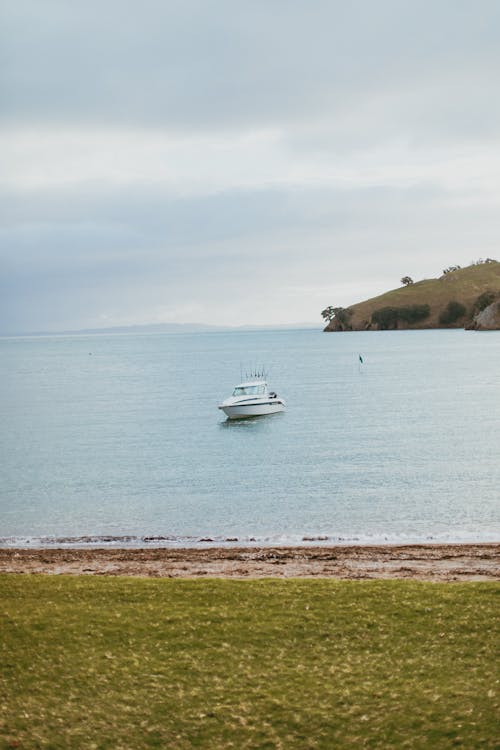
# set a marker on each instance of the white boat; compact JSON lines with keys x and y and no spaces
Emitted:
{"x":252,"y":399}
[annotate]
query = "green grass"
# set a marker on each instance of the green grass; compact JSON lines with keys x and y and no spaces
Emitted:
{"x":130,"y":663}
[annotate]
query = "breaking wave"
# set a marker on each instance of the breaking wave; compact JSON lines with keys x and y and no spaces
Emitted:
{"x":284,"y":540}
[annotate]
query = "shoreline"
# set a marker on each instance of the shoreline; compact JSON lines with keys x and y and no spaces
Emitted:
{"x":432,"y":562}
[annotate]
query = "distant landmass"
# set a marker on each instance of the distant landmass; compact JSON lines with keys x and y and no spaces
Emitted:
{"x":460,"y":298}
{"x":160,"y":328}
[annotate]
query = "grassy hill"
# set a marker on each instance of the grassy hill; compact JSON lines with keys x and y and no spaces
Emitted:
{"x":463,"y":286}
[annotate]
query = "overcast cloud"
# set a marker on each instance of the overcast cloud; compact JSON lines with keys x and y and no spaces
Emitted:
{"x":234,"y":162}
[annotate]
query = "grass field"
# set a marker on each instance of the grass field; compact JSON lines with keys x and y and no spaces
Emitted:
{"x":94,"y":662}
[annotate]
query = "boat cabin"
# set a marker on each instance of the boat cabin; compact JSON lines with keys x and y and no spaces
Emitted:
{"x":250,"y":389}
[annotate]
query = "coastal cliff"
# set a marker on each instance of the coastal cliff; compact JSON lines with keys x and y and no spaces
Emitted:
{"x":487,"y":320}
{"x":462,"y":297}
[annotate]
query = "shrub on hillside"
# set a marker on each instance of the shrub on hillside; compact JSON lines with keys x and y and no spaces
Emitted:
{"x":414,"y":313}
{"x":483,"y":301}
{"x":388,"y":317}
{"x":385,"y":318}
{"x":453,"y":311}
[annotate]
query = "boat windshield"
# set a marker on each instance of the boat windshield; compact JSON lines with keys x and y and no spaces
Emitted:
{"x":249,"y":390}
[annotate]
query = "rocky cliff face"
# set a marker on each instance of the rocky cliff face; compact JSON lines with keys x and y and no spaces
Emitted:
{"x":488,"y":319}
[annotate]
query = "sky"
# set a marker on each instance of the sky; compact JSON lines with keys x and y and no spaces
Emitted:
{"x":240,"y":163}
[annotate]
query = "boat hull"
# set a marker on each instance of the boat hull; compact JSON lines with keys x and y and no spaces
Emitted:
{"x":244,"y":411}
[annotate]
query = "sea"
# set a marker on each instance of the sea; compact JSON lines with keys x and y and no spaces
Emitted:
{"x":116,"y":439}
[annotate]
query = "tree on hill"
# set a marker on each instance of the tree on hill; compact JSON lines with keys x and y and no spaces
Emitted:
{"x":328,"y":313}
{"x":407,"y":280}
{"x":340,"y":314}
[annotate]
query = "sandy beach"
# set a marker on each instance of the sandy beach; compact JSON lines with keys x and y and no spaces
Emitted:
{"x":432,"y":562}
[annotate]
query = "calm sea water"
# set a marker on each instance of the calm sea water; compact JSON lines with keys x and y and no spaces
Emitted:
{"x":119,"y":436}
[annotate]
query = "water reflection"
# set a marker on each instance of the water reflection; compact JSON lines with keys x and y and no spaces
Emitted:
{"x":250,"y":422}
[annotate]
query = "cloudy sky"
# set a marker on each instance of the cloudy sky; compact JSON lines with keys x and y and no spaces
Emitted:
{"x":236,"y":162}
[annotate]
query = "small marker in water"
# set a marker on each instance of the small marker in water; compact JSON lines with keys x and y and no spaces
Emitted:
{"x":360,"y":358}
